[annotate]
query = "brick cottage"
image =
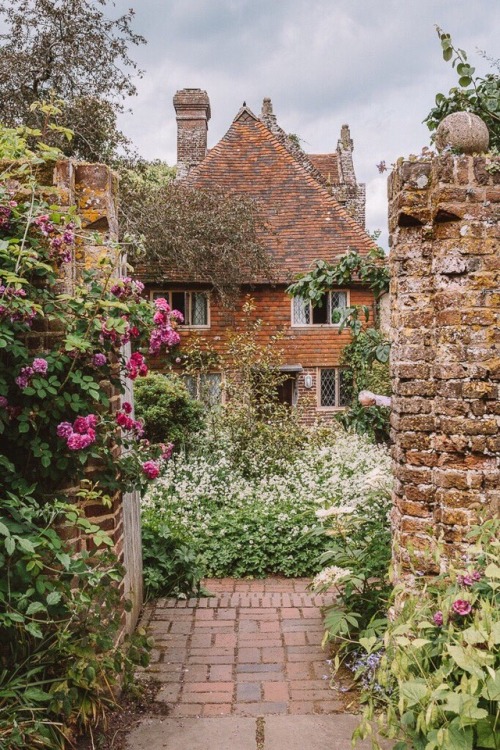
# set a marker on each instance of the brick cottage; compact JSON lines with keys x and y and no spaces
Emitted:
{"x":314,"y":209}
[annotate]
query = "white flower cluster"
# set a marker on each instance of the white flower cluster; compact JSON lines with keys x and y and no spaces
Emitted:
{"x":332,"y":479}
{"x":330,"y":577}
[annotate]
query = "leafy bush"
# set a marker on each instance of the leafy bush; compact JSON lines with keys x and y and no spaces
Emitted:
{"x":358,"y":557}
{"x":59,"y":617}
{"x":437,"y":686}
{"x":60,"y":608}
{"x":256,"y":516}
{"x":168,"y":412}
{"x":170,"y":565}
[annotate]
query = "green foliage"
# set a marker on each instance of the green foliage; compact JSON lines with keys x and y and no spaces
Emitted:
{"x":59,"y":616}
{"x":370,"y":270}
{"x":439,"y":678}
{"x":170,"y":564}
{"x":60,"y":607}
{"x":75,"y":52}
{"x":254,"y":515}
{"x":479,"y":95}
{"x":367,"y":356}
{"x":167,"y":410}
{"x":367,"y":359}
{"x":358,"y":556}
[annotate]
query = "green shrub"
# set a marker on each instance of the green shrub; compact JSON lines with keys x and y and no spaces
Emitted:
{"x":170,"y":565}
{"x":437,"y":686}
{"x":167,"y":410}
{"x":60,"y":616}
{"x":358,"y":557}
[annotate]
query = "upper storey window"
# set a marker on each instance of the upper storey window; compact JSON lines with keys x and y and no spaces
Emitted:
{"x":194,"y":306}
{"x":304,"y":314}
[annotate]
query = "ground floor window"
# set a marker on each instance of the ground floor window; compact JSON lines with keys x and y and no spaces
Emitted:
{"x":205,"y":387}
{"x":194,"y":306}
{"x":334,"y":387}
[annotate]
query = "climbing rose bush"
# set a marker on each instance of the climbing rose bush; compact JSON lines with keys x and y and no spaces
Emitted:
{"x":53,"y":408}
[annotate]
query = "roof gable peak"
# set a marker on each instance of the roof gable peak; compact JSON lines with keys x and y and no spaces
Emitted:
{"x":245,"y":114}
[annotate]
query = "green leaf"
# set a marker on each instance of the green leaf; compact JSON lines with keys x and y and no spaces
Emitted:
{"x":491,"y":688}
{"x":36,"y":695}
{"x":34,"y":629}
{"x":34,"y":608}
{"x":492,"y":571}
{"x":447,"y":54}
{"x":459,"y":738}
{"x":4,"y":530}
{"x":10,"y":545}
{"x":414,"y":692}
{"x":53,"y":598}
{"x":485,"y":733}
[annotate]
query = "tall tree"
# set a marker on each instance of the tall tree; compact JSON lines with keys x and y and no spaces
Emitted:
{"x":212,"y":236}
{"x":72,"y":50}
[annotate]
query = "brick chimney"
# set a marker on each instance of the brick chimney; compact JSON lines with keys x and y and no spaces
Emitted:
{"x":192,"y":108}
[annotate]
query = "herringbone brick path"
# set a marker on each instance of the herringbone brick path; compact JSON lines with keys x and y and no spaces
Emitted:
{"x":251,"y":649}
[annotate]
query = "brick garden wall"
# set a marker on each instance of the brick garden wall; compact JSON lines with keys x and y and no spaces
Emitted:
{"x":444,"y":217}
{"x":92,"y":188}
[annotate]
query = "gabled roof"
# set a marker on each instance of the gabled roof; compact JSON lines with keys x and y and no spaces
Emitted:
{"x":305,"y":222}
{"x":328,"y":165}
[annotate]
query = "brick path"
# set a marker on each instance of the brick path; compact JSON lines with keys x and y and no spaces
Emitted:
{"x":252,"y":649}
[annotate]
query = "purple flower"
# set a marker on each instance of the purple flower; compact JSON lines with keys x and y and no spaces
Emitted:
{"x":99,"y":360}
{"x":438,"y":619}
{"x":461,"y":607}
{"x":3,"y":402}
{"x":64,"y":429}
{"x":24,"y":377}
{"x":40,"y":366}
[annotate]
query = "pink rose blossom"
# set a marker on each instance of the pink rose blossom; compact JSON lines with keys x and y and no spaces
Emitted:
{"x":150,"y":469}
{"x":99,"y":359}
{"x":438,"y":619}
{"x":127,"y":407}
{"x":40,"y":366}
{"x":64,"y":429}
{"x":462,"y":607}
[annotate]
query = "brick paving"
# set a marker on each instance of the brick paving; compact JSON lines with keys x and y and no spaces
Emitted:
{"x":251,"y":649}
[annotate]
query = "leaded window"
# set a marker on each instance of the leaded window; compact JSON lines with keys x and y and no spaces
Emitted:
{"x":335,"y":387}
{"x":205,"y":387}
{"x":324,"y":313}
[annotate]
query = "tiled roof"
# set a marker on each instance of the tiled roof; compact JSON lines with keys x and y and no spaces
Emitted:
{"x":305,"y":222}
{"x":328,"y":165}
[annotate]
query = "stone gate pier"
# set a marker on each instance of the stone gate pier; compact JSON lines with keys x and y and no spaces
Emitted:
{"x":444,"y":220}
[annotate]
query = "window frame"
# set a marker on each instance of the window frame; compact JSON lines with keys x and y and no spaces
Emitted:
{"x":318,"y":325}
{"x":319,"y":405}
{"x":167,"y":293}
{"x":198,"y":378}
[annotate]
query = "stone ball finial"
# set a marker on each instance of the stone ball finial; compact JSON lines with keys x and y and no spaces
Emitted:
{"x":463,"y":131}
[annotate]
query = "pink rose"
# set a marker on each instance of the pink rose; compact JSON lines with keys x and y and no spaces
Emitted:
{"x":461,"y":607}
{"x":150,"y":469}
{"x":438,"y":619}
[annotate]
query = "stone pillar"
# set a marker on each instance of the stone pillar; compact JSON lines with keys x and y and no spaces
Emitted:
{"x":444,"y":221}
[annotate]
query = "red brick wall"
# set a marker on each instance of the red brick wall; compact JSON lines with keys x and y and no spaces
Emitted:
{"x":310,"y":346}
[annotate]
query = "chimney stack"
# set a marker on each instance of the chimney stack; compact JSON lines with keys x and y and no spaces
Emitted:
{"x":192,"y":109}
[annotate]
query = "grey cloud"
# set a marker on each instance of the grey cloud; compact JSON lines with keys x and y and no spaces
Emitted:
{"x":373,"y":63}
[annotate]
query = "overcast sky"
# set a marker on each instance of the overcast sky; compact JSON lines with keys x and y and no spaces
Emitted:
{"x":375,"y":64}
